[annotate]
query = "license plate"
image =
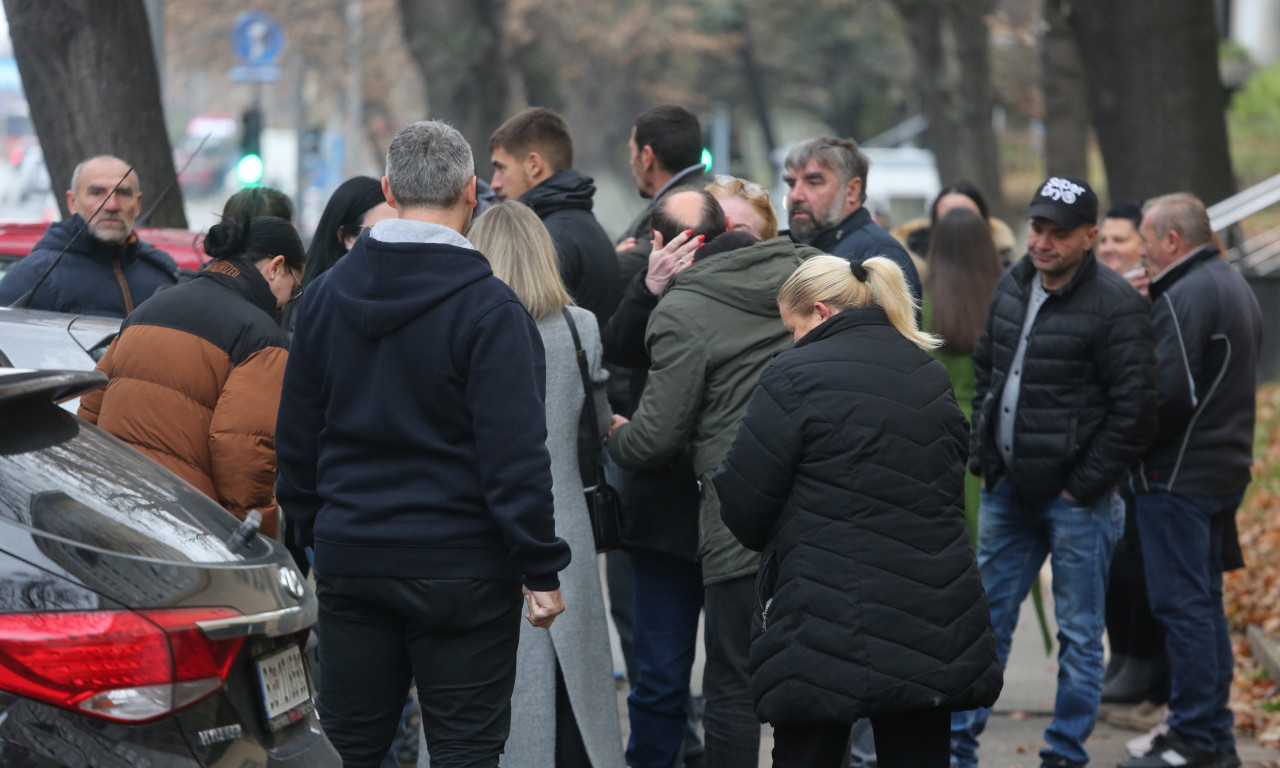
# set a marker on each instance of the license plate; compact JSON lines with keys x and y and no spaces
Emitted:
{"x":285,"y":692}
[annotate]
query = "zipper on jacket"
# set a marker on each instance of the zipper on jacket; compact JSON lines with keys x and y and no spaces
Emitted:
{"x":124,"y":287}
{"x":762,"y":604}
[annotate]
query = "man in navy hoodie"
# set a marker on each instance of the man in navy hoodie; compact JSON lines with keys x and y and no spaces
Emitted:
{"x":411,"y":450}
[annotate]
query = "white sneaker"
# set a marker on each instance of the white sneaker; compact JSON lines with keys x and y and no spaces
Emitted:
{"x":1142,"y":744}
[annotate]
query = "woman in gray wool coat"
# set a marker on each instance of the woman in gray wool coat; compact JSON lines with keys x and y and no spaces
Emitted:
{"x":564,"y":710}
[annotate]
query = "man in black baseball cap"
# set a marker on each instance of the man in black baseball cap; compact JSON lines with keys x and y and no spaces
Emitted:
{"x":1064,"y":218}
{"x":1064,"y":404}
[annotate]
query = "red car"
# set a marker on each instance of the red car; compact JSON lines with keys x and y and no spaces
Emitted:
{"x":17,"y":240}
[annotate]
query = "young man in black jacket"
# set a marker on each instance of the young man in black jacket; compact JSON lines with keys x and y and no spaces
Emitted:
{"x":1064,"y":404}
{"x":1208,"y":332}
{"x":533,"y":163}
{"x":411,"y":445}
{"x":666,"y":153}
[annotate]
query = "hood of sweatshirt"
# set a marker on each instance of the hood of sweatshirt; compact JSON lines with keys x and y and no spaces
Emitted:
{"x":381,"y":286}
{"x":566,"y":189}
{"x":746,"y":278}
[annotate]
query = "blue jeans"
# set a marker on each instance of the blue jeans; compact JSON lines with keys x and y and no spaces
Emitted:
{"x":667,"y":598}
{"x":1013,"y":541}
{"x":1182,"y":549}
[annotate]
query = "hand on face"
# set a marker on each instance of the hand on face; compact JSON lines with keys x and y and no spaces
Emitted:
{"x":667,"y":261}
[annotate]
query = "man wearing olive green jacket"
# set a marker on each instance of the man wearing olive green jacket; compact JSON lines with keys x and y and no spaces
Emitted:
{"x":710,"y":336}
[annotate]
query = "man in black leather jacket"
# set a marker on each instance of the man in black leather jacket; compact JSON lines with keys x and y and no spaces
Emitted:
{"x":1208,"y":332}
{"x":1064,"y":404}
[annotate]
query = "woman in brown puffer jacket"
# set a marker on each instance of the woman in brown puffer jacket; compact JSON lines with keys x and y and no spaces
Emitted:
{"x":196,"y":371}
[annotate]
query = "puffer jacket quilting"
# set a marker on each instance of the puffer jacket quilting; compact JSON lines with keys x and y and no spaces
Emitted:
{"x":195,"y":378}
{"x":1087,"y":407}
{"x":848,"y":473}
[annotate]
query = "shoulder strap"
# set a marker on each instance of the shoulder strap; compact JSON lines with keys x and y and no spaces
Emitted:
{"x":589,"y":406}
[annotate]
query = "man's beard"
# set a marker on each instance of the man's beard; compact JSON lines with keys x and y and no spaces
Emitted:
{"x":806,"y":229}
{"x":98,"y":231}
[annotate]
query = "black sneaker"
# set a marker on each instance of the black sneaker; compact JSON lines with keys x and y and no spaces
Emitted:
{"x":1227,"y":759}
{"x":1169,"y":751}
{"x":1058,"y":761}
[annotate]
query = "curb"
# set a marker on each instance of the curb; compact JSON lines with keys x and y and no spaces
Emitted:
{"x":1266,"y":651}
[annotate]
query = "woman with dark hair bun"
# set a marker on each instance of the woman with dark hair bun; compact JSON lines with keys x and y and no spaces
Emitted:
{"x":357,"y":204}
{"x":196,"y":370}
{"x":252,"y":202}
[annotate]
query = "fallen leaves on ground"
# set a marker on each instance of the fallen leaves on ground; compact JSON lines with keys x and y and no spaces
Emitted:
{"x":1251,"y":595}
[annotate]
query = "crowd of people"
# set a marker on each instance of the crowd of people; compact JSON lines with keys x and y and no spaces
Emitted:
{"x":848,"y":453}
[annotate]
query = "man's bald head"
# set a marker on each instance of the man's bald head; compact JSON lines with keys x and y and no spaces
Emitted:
{"x":688,"y":208}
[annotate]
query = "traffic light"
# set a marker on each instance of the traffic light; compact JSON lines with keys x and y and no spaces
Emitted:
{"x":249,"y":169}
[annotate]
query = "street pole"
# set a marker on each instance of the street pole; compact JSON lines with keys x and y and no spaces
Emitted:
{"x":155,"y":19}
{"x":355,"y":89}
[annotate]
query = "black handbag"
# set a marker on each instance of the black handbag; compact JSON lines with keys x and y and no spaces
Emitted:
{"x":603,"y":504}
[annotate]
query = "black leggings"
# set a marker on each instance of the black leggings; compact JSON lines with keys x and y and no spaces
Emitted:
{"x":919,"y":739}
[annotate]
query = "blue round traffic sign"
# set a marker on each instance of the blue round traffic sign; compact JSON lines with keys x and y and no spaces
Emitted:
{"x":257,"y":39}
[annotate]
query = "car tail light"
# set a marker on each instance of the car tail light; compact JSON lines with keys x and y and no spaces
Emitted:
{"x":120,"y":665}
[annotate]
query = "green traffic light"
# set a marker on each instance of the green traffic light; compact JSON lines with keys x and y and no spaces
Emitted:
{"x":706,"y":158}
{"x":249,"y":170}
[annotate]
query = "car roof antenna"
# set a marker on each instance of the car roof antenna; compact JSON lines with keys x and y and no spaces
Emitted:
{"x":241,"y":536}
{"x":25,"y":299}
{"x":145,"y":218}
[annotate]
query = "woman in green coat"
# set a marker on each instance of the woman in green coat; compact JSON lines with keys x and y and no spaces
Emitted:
{"x":962,"y":268}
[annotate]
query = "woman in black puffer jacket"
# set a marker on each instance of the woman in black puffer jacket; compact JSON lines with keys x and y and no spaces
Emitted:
{"x":848,"y":473}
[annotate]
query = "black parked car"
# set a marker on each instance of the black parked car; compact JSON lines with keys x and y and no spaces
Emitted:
{"x":141,"y":625}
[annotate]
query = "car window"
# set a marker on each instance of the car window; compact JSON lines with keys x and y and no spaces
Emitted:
{"x":71,"y":482}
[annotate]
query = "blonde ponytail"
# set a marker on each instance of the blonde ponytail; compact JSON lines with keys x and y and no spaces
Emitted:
{"x":834,"y":282}
{"x":889,"y":290}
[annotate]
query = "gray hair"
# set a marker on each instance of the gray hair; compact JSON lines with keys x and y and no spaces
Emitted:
{"x":75,"y":174}
{"x":429,"y":165}
{"x":1181,"y":212}
{"x":842,"y":156}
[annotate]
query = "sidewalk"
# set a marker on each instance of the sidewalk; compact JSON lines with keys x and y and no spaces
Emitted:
{"x":1014,"y":735}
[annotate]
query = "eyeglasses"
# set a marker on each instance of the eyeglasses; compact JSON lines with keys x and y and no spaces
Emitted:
{"x":297,"y":281}
{"x":741,"y":187}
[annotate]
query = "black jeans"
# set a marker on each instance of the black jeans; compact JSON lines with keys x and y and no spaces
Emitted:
{"x":732,"y":728}
{"x":1132,"y":629}
{"x":920,"y":739}
{"x":456,"y":637}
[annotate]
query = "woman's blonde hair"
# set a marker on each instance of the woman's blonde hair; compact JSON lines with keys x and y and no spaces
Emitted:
{"x":838,"y":284}
{"x":755,"y":195}
{"x":513,"y":239}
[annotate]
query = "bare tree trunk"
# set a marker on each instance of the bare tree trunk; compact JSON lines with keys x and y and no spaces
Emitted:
{"x":976,"y":96}
{"x":923,"y":20}
{"x":1066,"y":111}
{"x":753,"y":78}
{"x":1157,"y":100}
{"x":91,"y":81}
{"x":459,"y":46}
